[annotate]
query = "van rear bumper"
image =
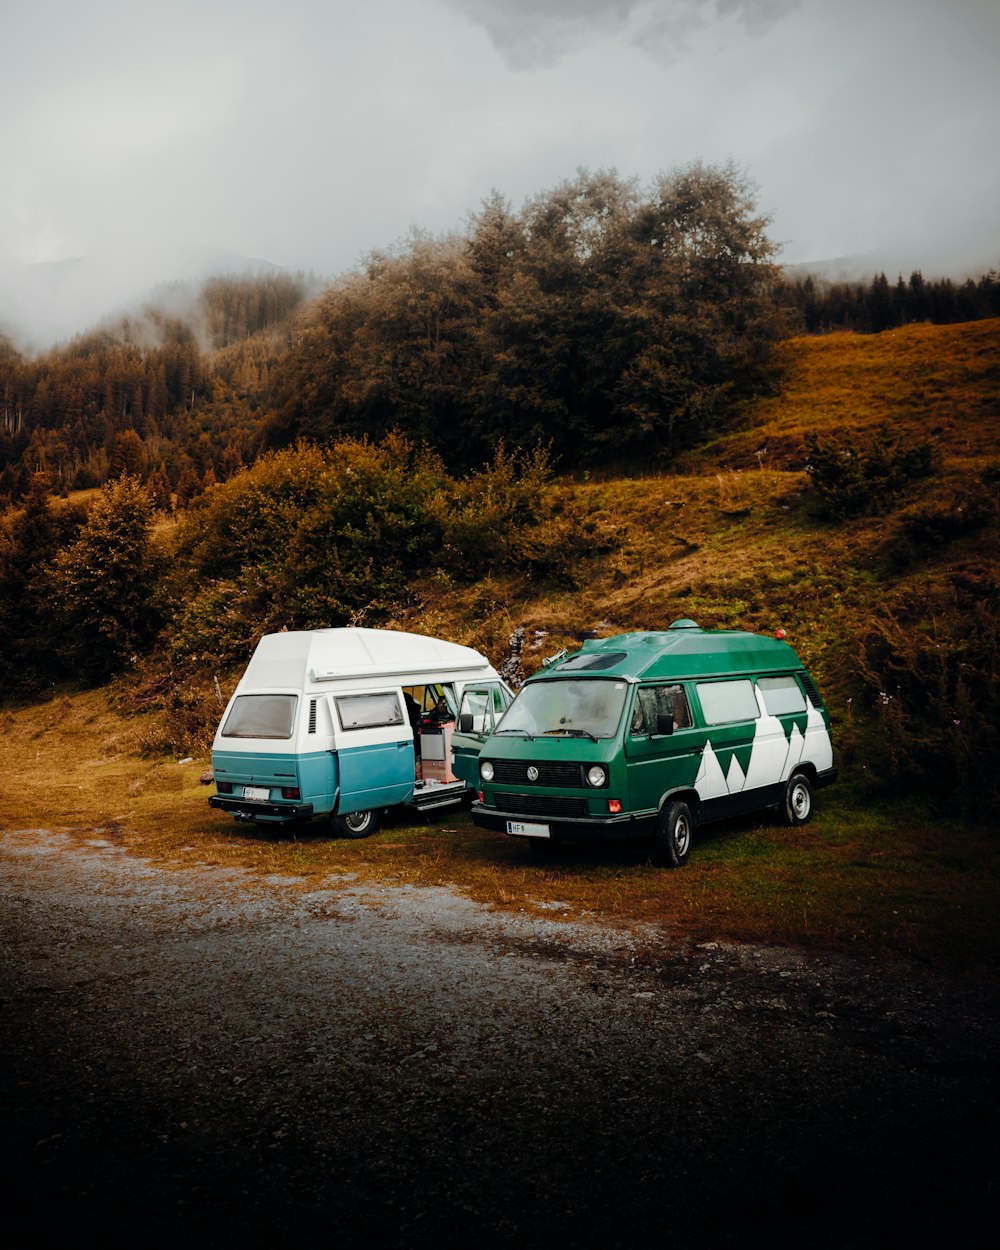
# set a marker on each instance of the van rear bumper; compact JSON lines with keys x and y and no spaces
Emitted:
{"x":245,"y":809}
{"x":579,"y":828}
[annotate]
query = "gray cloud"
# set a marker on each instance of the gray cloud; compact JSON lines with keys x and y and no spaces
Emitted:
{"x":139,"y":131}
{"x":533,"y":33}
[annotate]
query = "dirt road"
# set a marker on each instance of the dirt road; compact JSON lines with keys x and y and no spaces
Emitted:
{"x":207,"y":1058}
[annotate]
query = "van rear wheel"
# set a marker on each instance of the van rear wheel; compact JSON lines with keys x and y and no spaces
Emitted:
{"x":798,"y":802}
{"x":672,"y":840}
{"x":356,"y":824}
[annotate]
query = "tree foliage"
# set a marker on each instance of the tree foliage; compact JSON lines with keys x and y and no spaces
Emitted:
{"x":102,"y":585}
{"x":817,"y":306}
{"x":314,"y":537}
{"x":30,"y":538}
{"x":160,"y":397}
{"x":602,"y":320}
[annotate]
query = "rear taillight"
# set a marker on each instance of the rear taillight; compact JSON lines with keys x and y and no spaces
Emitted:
{"x":290,"y":792}
{"x":224,"y":787}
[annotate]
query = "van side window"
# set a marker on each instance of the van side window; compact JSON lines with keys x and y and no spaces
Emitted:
{"x":650,"y":701}
{"x":476,"y":704}
{"x":727,"y":701}
{"x":782,"y":695}
{"x":368,"y":711}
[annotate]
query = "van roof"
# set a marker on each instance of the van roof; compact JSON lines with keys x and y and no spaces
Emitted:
{"x":683,"y":650}
{"x":297,"y":658}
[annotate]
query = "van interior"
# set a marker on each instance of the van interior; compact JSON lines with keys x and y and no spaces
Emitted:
{"x":433,"y":724}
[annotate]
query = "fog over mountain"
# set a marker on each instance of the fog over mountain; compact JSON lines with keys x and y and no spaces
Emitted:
{"x":144,"y":142}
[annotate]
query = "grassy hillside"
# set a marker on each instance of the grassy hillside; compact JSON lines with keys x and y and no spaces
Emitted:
{"x":923,"y":380}
{"x":896,"y":613}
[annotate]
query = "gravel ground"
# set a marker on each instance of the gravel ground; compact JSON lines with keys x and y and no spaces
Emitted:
{"x":205,"y":1055}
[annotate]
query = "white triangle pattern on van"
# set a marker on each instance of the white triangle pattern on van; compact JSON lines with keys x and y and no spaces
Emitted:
{"x":773,"y":757}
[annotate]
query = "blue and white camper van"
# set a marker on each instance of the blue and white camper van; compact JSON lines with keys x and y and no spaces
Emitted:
{"x":345,"y":723}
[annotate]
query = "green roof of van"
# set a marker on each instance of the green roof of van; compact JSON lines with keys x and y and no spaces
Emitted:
{"x":683,"y":650}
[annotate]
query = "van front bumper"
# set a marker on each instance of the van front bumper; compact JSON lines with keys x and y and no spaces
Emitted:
{"x":577,"y":828}
{"x":246,"y":809}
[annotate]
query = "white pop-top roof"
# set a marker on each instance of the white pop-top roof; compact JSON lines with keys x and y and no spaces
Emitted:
{"x":305,"y":657}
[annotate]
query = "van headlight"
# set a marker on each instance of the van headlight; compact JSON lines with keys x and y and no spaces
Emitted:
{"x":486,"y":770}
{"x":597,"y":776}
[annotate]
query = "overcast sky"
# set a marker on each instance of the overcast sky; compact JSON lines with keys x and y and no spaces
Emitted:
{"x":307,"y":132}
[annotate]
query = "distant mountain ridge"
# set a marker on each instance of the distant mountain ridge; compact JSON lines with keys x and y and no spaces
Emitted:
{"x":51,"y":302}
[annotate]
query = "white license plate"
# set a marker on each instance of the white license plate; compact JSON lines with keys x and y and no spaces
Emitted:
{"x":523,"y":830}
{"x":256,"y":792}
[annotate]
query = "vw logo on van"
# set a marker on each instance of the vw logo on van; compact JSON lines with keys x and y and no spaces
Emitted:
{"x":532,"y":773}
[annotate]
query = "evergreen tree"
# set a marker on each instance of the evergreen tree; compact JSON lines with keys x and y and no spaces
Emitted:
{"x":127,"y":456}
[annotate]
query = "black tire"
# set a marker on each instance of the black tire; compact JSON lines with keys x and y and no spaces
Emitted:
{"x":357,"y":824}
{"x":797,"y":805}
{"x":672,"y":840}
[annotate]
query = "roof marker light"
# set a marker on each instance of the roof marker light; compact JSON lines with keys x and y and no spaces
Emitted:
{"x":779,"y":633}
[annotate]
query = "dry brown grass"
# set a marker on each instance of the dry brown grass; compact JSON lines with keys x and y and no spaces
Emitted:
{"x":920,"y":380}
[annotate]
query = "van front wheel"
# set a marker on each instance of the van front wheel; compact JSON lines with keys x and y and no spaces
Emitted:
{"x":356,"y":824}
{"x":672,"y":840}
{"x":798,"y":804}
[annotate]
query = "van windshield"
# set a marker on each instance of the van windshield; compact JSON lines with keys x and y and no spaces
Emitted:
{"x":261,"y":716}
{"x":576,"y":709}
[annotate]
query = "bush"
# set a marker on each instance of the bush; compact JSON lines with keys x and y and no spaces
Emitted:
{"x":933,"y":679}
{"x":940,"y":522}
{"x":190,"y":709}
{"x":847,"y":481}
{"x":321,"y":537}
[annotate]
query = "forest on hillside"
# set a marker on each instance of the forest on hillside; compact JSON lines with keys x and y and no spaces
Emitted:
{"x":611,"y":323}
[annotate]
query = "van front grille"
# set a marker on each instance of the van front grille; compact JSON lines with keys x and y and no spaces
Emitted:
{"x":568,"y":775}
{"x":541,"y":804}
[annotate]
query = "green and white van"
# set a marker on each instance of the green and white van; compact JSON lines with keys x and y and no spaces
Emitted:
{"x":651,"y":734}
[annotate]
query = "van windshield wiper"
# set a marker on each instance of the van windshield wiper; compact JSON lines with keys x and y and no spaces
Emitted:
{"x":574,"y":733}
{"x":529,"y":736}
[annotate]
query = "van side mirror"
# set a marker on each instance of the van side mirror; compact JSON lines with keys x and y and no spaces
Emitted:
{"x":664,"y":723}
{"x":465,"y":723}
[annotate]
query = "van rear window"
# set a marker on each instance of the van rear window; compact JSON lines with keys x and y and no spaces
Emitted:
{"x":261,"y":716}
{"x":726,"y":701}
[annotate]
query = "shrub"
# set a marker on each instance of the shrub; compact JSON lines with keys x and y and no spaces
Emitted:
{"x":940,"y":522}
{"x":847,"y":481}
{"x":933,"y":679}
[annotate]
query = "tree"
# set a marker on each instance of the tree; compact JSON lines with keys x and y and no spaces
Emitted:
{"x":599,"y":320}
{"x":102,"y":586}
{"x":30,"y":539}
{"x":128,"y":456}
